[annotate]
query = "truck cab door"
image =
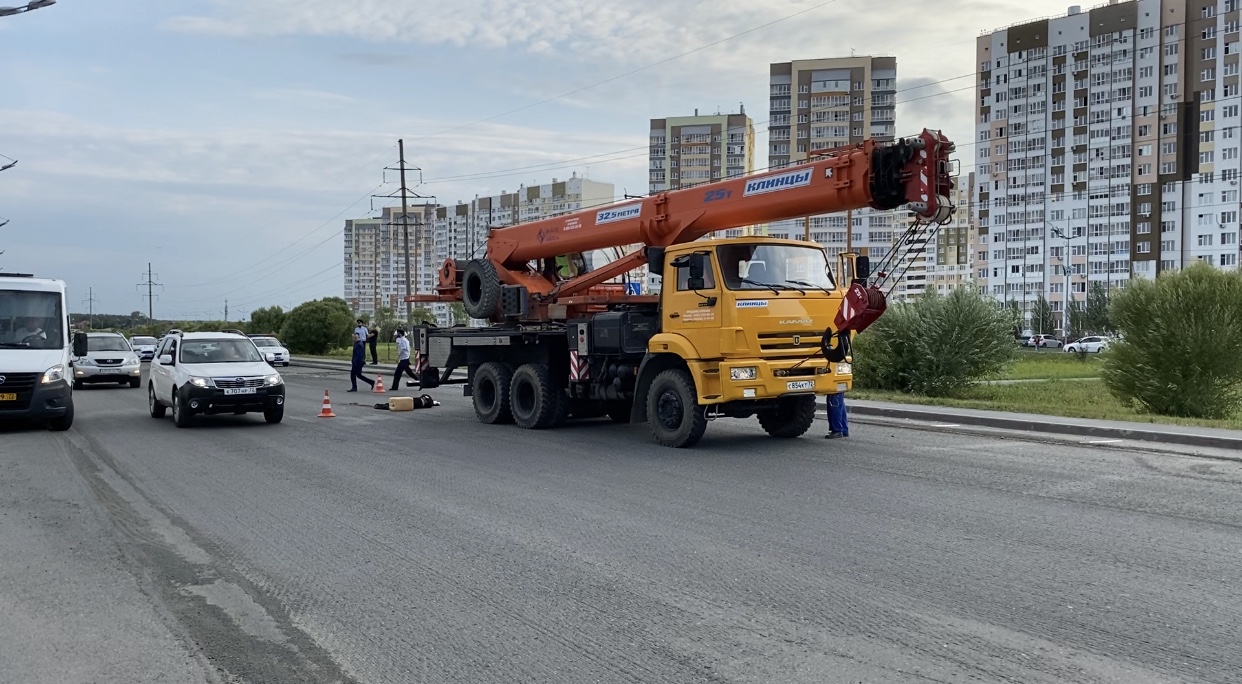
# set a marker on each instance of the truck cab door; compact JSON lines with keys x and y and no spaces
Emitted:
{"x":691,"y":302}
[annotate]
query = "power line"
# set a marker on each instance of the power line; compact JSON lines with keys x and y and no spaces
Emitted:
{"x":150,"y":295}
{"x":90,"y":302}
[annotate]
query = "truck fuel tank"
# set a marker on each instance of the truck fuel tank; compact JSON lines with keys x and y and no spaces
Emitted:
{"x":622,"y":332}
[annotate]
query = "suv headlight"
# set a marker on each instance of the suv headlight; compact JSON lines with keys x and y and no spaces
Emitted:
{"x":845,"y":369}
{"x":132,"y":361}
{"x":744,"y":373}
{"x":202,"y":382}
{"x":83,"y":362}
{"x":54,"y":374}
{"x":274,"y":380}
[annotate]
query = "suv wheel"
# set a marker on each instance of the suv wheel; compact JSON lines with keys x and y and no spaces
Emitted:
{"x":181,"y":413}
{"x":157,"y":409}
{"x":274,"y":415}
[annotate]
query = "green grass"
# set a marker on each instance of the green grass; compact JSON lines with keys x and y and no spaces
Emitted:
{"x":1050,"y":365}
{"x":1054,"y":398}
{"x":387,"y":353}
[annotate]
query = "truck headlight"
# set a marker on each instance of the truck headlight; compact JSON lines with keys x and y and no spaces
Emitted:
{"x":201,"y":382}
{"x":744,"y":373}
{"x":54,"y":374}
{"x":274,"y":380}
{"x":845,"y":369}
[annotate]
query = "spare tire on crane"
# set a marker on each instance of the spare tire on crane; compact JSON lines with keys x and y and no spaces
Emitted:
{"x":480,"y":289}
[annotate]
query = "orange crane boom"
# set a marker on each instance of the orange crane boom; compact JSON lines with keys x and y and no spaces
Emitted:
{"x":912,"y":172}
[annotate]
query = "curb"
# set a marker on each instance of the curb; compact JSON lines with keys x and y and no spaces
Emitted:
{"x":1007,"y":422}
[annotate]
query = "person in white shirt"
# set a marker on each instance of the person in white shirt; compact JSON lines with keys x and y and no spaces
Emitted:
{"x":403,"y":360}
{"x":361,"y":331}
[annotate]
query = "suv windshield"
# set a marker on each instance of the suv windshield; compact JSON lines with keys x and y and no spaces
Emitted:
{"x":762,"y":267}
{"x":106,"y":343}
{"x":219,"y":351}
{"x":31,"y":320}
{"x":143,"y":342}
{"x":266,"y":342}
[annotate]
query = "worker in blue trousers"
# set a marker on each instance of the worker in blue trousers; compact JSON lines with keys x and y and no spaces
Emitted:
{"x":838,"y":423}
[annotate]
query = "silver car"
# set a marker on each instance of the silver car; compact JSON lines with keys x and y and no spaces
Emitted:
{"x":109,"y":358}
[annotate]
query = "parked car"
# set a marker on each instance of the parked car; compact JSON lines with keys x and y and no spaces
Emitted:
{"x":211,"y":373}
{"x":109,"y":358}
{"x":144,"y":346}
{"x":1093,"y":345}
{"x":270,"y":346}
{"x":1042,"y":342}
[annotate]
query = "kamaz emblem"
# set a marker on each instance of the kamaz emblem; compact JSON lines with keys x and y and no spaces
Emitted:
{"x":797,"y":340}
{"x":782,"y":181}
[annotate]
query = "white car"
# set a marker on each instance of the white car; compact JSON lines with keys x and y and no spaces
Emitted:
{"x":213,"y":373}
{"x":144,"y":346}
{"x":1042,"y":342}
{"x":270,"y":345}
{"x":1092,"y":345}
{"x":108,"y":358}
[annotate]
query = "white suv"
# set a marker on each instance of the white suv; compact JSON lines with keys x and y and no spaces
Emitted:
{"x":213,"y":373}
{"x":108,"y":358}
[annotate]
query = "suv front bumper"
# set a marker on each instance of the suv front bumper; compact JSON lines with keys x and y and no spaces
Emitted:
{"x":212,"y":400}
{"x":88,"y":374}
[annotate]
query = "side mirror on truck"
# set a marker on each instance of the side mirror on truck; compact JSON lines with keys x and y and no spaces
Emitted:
{"x":655,"y":260}
{"x":79,"y":344}
{"x":862,"y":267}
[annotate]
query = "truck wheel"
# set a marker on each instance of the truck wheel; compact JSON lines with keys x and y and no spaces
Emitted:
{"x":619,"y":411}
{"x":490,"y":393}
{"x":791,"y":418}
{"x":480,"y":289}
{"x":64,"y":422}
{"x":673,"y":410}
{"x":533,"y":397}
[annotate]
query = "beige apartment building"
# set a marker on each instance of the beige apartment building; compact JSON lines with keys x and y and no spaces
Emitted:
{"x":691,"y":150}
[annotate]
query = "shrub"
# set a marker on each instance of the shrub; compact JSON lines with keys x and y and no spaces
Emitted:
{"x":936,"y":345}
{"x":318,"y":326}
{"x":267,"y":320}
{"x":1181,"y":347}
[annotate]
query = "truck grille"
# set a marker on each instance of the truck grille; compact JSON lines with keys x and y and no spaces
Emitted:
{"x":21,"y":384}
{"x":784,"y":341}
{"x":234,"y":383}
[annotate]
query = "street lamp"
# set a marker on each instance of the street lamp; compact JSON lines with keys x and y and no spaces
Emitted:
{"x":1068,"y":300}
{"x":32,"y":5}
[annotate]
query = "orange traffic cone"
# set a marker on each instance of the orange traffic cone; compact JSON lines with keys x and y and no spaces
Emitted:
{"x":379,"y":384}
{"x":326,"y":412}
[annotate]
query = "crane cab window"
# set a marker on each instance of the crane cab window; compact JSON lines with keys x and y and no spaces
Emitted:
{"x":683,"y":277}
{"x":760,"y":266}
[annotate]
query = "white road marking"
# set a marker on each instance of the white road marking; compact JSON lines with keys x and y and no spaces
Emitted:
{"x":1102,"y":441}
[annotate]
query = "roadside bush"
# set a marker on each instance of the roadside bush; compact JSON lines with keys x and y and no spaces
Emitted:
{"x":1181,"y":347}
{"x":268,"y":320}
{"x":317,"y":326}
{"x":935,"y":346}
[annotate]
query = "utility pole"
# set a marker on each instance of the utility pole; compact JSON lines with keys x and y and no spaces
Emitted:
{"x":150,"y":295}
{"x":849,"y":230}
{"x":411,"y":287}
{"x":806,"y":228}
{"x":90,"y":303}
{"x":226,"y":311}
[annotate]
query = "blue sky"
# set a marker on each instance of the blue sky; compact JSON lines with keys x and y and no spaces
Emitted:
{"x":205,"y":136}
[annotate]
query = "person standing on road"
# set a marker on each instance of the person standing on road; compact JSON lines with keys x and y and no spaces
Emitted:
{"x":403,"y":360}
{"x":838,"y":423}
{"x":359,"y":360}
{"x":372,"y":341}
{"x":361,"y":330}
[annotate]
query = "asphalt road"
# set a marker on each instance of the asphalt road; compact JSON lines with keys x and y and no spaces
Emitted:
{"x":424,"y":547}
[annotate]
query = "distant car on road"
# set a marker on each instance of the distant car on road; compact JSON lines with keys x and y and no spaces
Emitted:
{"x":212,"y":373}
{"x":270,"y":345}
{"x":144,"y":346}
{"x":109,"y":358}
{"x":1042,"y":342}
{"x":1093,"y":345}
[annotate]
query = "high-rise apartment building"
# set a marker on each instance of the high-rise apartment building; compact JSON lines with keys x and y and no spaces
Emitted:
{"x":374,"y":267}
{"x":1107,"y":148}
{"x":691,"y":150}
{"x":819,"y":104}
{"x":950,"y":248}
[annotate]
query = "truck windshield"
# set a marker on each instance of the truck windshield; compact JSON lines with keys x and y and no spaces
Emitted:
{"x":106,"y":343}
{"x":31,"y":320}
{"x":762,"y":267}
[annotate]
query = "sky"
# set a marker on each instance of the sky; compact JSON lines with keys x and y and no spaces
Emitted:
{"x":225,"y":142}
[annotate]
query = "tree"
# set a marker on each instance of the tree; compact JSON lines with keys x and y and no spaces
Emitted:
{"x":318,"y":326}
{"x":1180,"y":351}
{"x":1096,"y":317}
{"x":936,"y":345}
{"x":1041,"y":317}
{"x":267,"y":320}
{"x":421,"y":315}
{"x":458,"y":311}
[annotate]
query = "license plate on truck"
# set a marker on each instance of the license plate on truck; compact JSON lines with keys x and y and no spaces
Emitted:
{"x":801,"y":385}
{"x":239,"y":390}
{"x":8,"y":397}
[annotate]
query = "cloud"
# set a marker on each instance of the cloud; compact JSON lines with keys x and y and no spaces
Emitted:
{"x":381,"y":59}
